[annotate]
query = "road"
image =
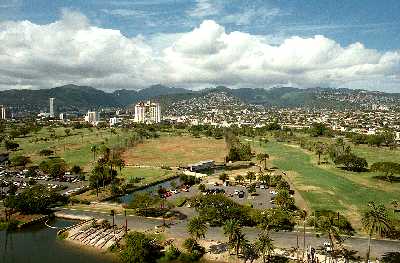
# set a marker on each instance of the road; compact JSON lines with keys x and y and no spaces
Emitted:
{"x":281,"y":239}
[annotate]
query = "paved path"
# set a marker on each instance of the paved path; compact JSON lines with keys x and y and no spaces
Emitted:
{"x":281,"y":239}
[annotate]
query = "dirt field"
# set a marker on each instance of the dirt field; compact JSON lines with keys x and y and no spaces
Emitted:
{"x":176,"y":151}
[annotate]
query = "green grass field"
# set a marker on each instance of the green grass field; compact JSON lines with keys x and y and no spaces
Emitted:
{"x":328,"y":187}
{"x":75,"y":149}
{"x":149,"y":174}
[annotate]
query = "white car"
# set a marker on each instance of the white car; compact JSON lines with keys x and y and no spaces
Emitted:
{"x":262,"y":186}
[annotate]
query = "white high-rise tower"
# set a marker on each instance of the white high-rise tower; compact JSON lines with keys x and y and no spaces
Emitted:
{"x":3,"y":112}
{"x":51,"y":101}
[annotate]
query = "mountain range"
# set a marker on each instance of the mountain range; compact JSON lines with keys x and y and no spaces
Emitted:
{"x":80,"y":98}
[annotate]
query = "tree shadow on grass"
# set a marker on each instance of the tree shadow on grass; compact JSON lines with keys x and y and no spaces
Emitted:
{"x":390,"y":179}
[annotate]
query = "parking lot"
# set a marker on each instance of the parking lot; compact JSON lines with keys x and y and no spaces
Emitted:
{"x":18,"y":180}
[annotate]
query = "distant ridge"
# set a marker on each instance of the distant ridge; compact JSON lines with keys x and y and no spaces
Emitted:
{"x":81,"y":98}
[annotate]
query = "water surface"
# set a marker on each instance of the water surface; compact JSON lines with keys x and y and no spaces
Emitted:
{"x":39,"y":244}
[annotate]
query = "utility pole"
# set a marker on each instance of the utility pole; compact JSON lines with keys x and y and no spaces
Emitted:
{"x":126,"y":222}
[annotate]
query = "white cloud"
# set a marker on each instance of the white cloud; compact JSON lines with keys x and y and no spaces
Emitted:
{"x":124,"y":12}
{"x":72,"y":50}
{"x":204,"y":8}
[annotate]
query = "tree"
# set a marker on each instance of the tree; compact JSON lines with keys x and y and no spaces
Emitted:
{"x":265,"y":246}
{"x":284,"y":200}
{"x":223,"y":177}
{"x":239,"y":178}
{"x":67,"y":132}
{"x":389,"y":168}
{"x":334,"y":226}
{"x":262,"y":157}
{"x":11,"y":145}
{"x":319,"y":150}
{"x":120,"y":164}
{"x":34,"y":200}
{"x":352,"y":162}
{"x":320,"y":129}
{"x":94,"y":150}
{"x":231,"y":228}
{"x":76,"y":169}
{"x":54,"y":167}
{"x":46,"y":152}
{"x":265,"y":179}
{"x":20,"y":160}
{"x":375,"y":220}
{"x":197,"y":227}
{"x":143,"y":201}
{"x":391,"y":257}
{"x":250,"y":176}
{"x":250,"y":252}
{"x":140,"y":248}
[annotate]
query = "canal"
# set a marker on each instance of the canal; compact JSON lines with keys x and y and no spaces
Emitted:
{"x":39,"y":244}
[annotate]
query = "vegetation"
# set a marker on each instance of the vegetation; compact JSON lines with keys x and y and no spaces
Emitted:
{"x":140,"y":248}
{"x":34,"y":200}
{"x":375,"y":220}
{"x":216,"y":209}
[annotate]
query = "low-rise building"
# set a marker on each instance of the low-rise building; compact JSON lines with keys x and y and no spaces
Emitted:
{"x":200,"y":166}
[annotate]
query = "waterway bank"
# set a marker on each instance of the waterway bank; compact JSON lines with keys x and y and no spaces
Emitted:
{"x":39,"y":244}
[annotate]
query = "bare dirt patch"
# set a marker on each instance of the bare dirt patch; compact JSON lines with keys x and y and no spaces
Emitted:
{"x":176,"y":151}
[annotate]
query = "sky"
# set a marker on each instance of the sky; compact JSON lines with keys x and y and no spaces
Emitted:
{"x":110,"y":44}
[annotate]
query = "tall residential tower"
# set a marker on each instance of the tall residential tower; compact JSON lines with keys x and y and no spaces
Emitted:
{"x":3,"y":112}
{"x":51,"y":101}
{"x":147,"y":112}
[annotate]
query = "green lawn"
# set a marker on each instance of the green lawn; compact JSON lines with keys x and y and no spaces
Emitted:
{"x":149,"y":174}
{"x":328,"y":187}
{"x":75,"y":149}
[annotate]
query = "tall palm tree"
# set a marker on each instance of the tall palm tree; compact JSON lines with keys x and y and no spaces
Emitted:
{"x":326,"y":224}
{"x":94,"y":150}
{"x":375,"y":220}
{"x":197,"y":228}
{"x":265,"y":246}
{"x":319,"y":150}
{"x":239,"y":240}
{"x":231,"y":228}
{"x":120,"y":164}
{"x":262,"y":157}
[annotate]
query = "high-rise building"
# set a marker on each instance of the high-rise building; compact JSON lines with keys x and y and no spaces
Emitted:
{"x":3,"y":112}
{"x":92,"y":117}
{"x":147,"y":112}
{"x":51,"y":101}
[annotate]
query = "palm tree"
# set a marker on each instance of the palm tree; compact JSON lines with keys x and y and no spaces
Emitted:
{"x":94,"y":149}
{"x":265,"y":246}
{"x":319,"y":150}
{"x":120,"y":164}
{"x":375,"y":220}
{"x":197,"y":228}
{"x":326,"y":224}
{"x":239,"y":240}
{"x":262,"y":157}
{"x":231,"y":228}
